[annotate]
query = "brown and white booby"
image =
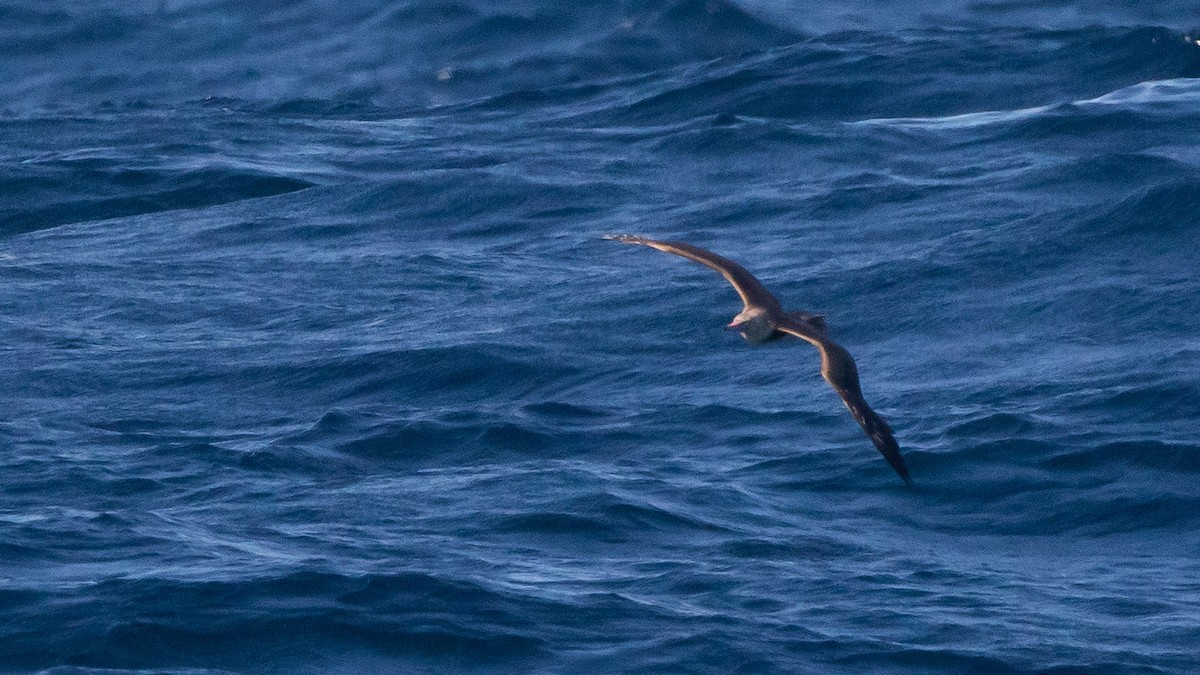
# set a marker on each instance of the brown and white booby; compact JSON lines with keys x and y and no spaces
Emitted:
{"x":762,"y":318}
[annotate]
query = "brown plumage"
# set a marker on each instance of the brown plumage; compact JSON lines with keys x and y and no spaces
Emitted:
{"x":762,"y":318}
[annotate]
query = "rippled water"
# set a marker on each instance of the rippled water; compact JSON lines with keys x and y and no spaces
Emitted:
{"x":314,"y":359}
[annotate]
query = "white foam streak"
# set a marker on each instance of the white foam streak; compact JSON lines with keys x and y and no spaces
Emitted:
{"x":1142,"y":95}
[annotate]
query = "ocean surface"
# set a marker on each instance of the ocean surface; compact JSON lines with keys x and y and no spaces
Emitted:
{"x":313,"y":358}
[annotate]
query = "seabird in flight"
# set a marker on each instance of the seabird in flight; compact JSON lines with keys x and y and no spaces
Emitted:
{"x":762,"y":318}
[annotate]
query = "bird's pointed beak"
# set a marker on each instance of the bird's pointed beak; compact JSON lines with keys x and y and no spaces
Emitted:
{"x":734,"y":325}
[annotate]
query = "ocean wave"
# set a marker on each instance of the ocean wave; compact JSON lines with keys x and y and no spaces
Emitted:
{"x":1162,"y":212}
{"x":282,"y":622}
{"x":347,"y":380}
{"x":115,"y":192}
{"x":679,"y":59}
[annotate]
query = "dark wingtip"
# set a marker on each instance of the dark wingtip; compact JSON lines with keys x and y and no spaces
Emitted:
{"x":897,"y":462}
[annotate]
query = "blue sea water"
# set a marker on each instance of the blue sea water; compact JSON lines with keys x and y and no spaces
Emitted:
{"x":313,"y":358}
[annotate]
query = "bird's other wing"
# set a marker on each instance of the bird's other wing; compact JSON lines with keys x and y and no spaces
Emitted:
{"x":839,"y":370}
{"x":750,"y":289}
{"x":877,"y":430}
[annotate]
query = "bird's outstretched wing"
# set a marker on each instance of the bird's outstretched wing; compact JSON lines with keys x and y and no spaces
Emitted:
{"x":877,"y":430}
{"x":839,"y":370}
{"x":751,"y":290}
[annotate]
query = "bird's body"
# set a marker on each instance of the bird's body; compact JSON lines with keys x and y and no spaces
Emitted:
{"x":763,"y":318}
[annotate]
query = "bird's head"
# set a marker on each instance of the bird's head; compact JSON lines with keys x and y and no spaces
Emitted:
{"x":754,"y":324}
